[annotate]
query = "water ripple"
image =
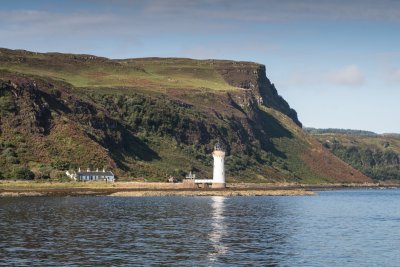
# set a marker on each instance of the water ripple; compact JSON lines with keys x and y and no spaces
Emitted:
{"x":339,"y":228}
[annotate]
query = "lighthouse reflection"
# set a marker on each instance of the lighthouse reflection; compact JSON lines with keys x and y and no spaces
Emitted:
{"x":218,"y":228}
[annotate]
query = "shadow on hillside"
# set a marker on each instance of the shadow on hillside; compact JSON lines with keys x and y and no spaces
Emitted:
{"x":268,"y":128}
{"x":132,"y":147}
{"x":272,"y":127}
{"x":122,"y":145}
{"x":138,"y":148}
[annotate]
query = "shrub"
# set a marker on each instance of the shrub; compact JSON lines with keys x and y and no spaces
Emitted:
{"x":61,"y":177}
{"x":7,"y":103}
{"x":12,"y":160}
{"x":23,"y":173}
{"x":21,"y":150}
{"x":9,"y":152}
{"x":55,"y":92}
{"x":179,"y":174}
{"x":8,"y":144}
{"x":60,"y":165}
{"x":44,"y":172}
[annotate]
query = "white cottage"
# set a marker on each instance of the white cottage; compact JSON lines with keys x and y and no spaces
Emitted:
{"x":89,"y":175}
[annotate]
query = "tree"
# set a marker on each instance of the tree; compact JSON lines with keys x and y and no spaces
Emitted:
{"x":44,"y":172}
{"x":23,"y":173}
{"x":61,"y":165}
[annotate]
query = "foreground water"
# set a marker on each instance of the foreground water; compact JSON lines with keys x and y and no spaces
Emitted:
{"x":338,"y":228}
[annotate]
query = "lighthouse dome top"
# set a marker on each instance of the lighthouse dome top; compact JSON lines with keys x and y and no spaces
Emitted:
{"x":218,"y":147}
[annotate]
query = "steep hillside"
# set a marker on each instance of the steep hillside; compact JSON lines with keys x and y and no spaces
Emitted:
{"x":377,"y":156}
{"x":152,"y":118}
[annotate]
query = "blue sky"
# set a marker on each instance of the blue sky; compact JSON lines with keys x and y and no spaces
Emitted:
{"x":336,"y":62}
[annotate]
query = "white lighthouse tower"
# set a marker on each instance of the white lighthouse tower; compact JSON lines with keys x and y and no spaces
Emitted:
{"x":219,"y":167}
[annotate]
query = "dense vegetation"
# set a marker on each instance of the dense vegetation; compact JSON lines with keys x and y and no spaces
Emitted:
{"x":377,"y":156}
{"x":150,"y":119}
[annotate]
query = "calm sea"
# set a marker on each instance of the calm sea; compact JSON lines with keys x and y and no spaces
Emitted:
{"x":336,"y":228}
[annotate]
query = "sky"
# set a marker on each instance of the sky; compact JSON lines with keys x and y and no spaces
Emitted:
{"x":336,"y":62}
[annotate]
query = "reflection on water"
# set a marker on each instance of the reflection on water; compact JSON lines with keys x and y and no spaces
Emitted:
{"x":343,"y":228}
{"x":218,"y":228}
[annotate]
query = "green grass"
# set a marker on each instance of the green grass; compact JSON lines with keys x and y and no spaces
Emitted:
{"x":152,"y":74}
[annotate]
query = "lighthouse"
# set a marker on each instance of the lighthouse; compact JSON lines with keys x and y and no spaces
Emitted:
{"x":219,"y":167}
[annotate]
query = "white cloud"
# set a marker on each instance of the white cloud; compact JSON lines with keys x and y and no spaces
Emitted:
{"x":350,"y":76}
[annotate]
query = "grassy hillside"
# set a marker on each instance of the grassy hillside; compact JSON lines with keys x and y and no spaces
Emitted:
{"x":377,"y":156}
{"x":152,"y":118}
{"x":90,"y":71}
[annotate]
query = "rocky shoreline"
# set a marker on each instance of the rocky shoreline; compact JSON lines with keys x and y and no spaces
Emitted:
{"x":138,"y":189}
{"x":227,"y":193}
{"x":152,"y":192}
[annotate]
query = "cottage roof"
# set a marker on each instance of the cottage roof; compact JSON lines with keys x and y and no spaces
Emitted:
{"x":94,"y":173}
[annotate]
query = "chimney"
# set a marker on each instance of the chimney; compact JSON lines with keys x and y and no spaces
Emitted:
{"x":88,"y":169}
{"x":79,"y":170}
{"x":104,"y":170}
{"x":97,"y":170}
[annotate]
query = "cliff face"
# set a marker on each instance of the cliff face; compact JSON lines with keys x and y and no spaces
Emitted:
{"x":252,"y":77}
{"x":153,"y":118}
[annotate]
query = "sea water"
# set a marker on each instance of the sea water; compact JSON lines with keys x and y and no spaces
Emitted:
{"x":333,"y":228}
